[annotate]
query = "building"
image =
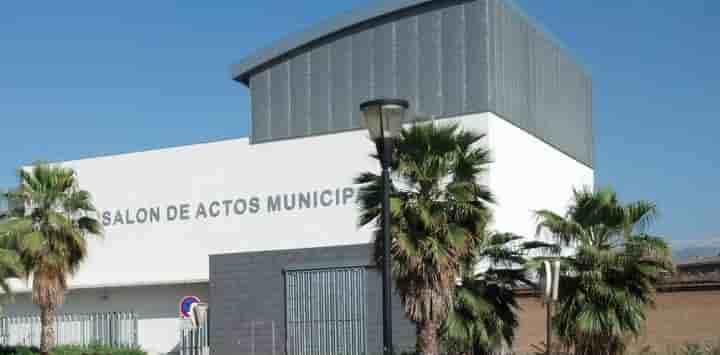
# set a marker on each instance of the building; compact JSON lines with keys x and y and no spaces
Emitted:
{"x":264,"y":227}
{"x":700,"y":266}
{"x":686,"y":311}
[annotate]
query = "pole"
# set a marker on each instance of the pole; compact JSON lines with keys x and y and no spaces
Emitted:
{"x":386,"y":158}
{"x":387,"y":316}
{"x":548,"y":326}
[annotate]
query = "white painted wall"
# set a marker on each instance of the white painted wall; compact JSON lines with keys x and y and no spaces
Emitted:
{"x":528,"y":175}
{"x":178,"y":250}
{"x":155,"y":306}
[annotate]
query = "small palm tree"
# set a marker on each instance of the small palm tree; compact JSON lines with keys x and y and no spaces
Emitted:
{"x":438,"y":212}
{"x":484,"y":316}
{"x":609,"y":283}
{"x":49,"y":237}
{"x":10,"y":266}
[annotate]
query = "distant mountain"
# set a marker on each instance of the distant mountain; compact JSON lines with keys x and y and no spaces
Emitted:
{"x":683,"y":251}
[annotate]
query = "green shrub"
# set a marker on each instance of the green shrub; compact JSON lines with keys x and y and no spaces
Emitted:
{"x":18,"y":350}
{"x":72,"y":350}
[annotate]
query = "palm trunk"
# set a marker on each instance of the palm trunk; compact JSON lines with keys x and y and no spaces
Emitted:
{"x":427,"y":338}
{"x":47,"y":323}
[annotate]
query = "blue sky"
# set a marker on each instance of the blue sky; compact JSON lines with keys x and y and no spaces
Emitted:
{"x":86,"y":78}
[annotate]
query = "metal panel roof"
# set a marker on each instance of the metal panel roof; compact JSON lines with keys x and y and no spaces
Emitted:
{"x":241,"y":71}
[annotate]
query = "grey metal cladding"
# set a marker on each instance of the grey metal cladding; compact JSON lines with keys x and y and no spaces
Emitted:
{"x":384,"y":61}
{"x":300,"y":96}
{"x":341,"y":64}
{"x":535,"y":85}
{"x":260,"y":96}
{"x":452,"y":60}
{"x":280,"y":96}
{"x":248,"y":66}
{"x":320,"y":86}
{"x":544,"y":82}
{"x":430,"y":36}
{"x":408,"y":59}
{"x":477,"y":70}
{"x":362,"y":72}
{"x":446,"y":57}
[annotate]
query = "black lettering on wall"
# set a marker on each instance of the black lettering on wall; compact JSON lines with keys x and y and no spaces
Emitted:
{"x":274,"y":203}
{"x":201,"y":212}
{"x":240,"y":206}
{"x":185,"y":211}
{"x":128,"y":217}
{"x":348,"y":193}
{"x":326,"y":198}
{"x":289,"y":202}
{"x":155,"y":214}
{"x":214,"y":208}
{"x":304,"y":200}
{"x":118,"y":218}
{"x":254,"y":205}
{"x":106,"y":218}
{"x":141,"y":215}
{"x":227,"y":204}
{"x":172,"y":213}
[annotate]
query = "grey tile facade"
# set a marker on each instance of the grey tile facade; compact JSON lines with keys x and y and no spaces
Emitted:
{"x":446,"y":57}
{"x":248,"y":299}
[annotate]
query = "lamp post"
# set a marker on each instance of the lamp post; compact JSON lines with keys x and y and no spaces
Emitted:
{"x":383,"y":119}
{"x":550,"y":294}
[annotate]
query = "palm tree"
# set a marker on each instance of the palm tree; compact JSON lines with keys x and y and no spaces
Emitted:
{"x":50,"y":236}
{"x":438,"y":211}
{"x":484,"y":315}
{"x":10,"y":266}
{"x":608,"y":283}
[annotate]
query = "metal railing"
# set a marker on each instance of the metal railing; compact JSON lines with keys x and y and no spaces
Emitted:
{"x":195,"y":340}
{"x":118,"y":329}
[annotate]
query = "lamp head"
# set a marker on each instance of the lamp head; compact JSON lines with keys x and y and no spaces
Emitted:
{"x":383,"y":118}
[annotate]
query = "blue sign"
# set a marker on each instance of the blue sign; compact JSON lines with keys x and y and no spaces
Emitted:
{"x":186,"y":305}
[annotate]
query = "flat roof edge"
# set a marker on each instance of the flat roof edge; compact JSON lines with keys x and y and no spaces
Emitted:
{"x":140,"y":151}
{"x":27,"y":289}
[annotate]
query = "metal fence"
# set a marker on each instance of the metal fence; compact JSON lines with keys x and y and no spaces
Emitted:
{"x":195,"y":340}
{"x":117,"y":329}
{"x":326,"y":311}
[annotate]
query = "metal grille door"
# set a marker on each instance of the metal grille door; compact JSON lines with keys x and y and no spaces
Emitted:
{"x":326,"y":311}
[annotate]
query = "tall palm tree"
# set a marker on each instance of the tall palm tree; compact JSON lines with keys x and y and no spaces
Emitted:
{"x":50,"y":236}
{"x":484,"y":315}
{"x":608,"y":283}
{"x":438,"y":212}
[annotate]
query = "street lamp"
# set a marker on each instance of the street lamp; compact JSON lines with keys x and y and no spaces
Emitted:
{"x":550,"y":294}
{"x":383,"y":118}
